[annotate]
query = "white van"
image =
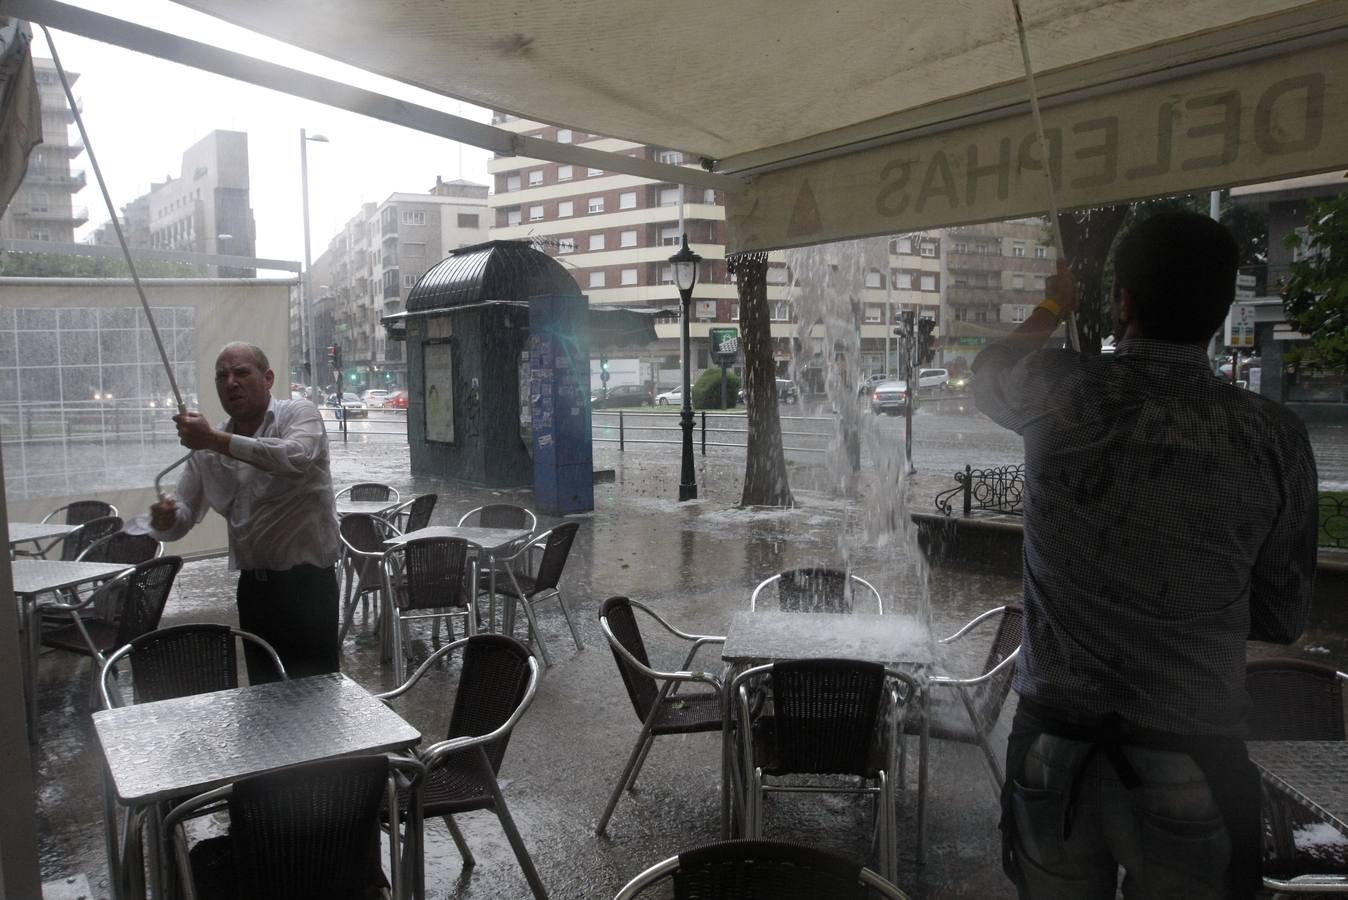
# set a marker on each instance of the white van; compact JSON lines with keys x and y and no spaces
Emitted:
{"x":932,"y":378}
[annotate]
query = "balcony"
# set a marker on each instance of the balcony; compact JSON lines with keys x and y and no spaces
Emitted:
{"x":968,"y":295}
{"x":978,"y":262}
{"x":74,"y":218}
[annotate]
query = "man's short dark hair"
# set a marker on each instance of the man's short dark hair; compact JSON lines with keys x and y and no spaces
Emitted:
{"x":1180,"y":268}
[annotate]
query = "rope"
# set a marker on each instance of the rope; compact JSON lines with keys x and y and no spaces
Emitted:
{"x":1073,"y":335}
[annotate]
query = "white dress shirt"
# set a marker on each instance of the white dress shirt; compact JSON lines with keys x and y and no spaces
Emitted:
{"x":274,"y":490}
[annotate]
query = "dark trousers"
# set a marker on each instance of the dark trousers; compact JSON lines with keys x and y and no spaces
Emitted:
{"x":296,"y":612}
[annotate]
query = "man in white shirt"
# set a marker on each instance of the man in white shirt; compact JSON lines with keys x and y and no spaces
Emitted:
{"x":265,"y":469}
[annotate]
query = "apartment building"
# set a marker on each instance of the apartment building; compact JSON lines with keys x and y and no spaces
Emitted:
{"x":369,"y":266}
{"x":43,"y":208}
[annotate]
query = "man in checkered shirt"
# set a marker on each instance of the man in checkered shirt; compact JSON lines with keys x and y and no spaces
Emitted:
{"x":1169,"y":517}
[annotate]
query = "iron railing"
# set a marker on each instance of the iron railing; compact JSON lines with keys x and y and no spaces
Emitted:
{"x":999,"y":489}
{"x":624,"y":422}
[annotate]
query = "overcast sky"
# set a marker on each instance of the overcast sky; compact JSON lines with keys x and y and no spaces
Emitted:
{"x":143,"y":112}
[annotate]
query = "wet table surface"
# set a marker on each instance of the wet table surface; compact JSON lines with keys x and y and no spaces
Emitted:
{"x":346,"y":507}
{"x":19,"y":532}
{"x":1313,"y":773}
{"x":760,"y":637}
{"x":188,"y":745}
{"x":491,"y":540}
{"x":36,"y":576}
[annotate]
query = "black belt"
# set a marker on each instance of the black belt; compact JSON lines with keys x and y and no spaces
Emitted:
{"x":265,"y":574}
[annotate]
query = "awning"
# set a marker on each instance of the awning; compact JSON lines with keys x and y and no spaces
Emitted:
{"x":827,"y":122}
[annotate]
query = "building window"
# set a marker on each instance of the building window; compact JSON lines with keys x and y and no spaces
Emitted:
{"x":513,"y":216}
{"x":593,"y":172}
{"x":928,"y":282}
{"x":734,"y":312}
{"x":563,"y":135}
{"x":666,"y":274}
{"x":468,"y":220}
{"x":512,"y":183}
{"x":670,"y":157}
{"x":596,"y":242}
{"x":414,"y":217}
{"x":565,"y":209}
{"x":1040,"y":252}
{"x":39,"y":235}
{"x":669,"y":196}
{"x":927,"y":249}
{"x":564,"y":173}
{"x":536,"y":213}
{"x":777,"y":275}
{"x":706,"y":309}
{"x":628,"y":276}
{"x":1017,"y":314}
{"x":670,"y":236}
{"x":709,"y":197}
{"x":409,"y":281}
{"x":903,"y":281}
{"x":38,"y":201}
{"x":566,"y":245}
{"x":597,"y":279}
{"x":595,"y":205}
{"x":627,"y":200}
{"x":904,"y":245}
{"x":875,"y":313}
{"x":780,"y":312}
{"x":873,"y":279}
{"x":627,"y":239}
{"x":1018,"y":281}
{"x":1039,"y":282}
{"x":535,"y":178}
{"x":1018,"y":248}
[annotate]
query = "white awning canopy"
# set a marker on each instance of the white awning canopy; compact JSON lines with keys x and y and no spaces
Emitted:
{"x":827,"y":121}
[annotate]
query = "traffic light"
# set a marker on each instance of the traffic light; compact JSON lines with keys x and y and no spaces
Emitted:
{"x":332,"y":356}
{"x":926,"y":343}
{"x":603,"y":368}
{"x":337,"y":356}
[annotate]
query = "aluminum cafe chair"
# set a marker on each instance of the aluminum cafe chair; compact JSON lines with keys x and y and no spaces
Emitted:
{"x":528,"y":588}
{"x":762,"y":870}
{"x":306,"y":831}
{"x":77,"y":513}
{"x":427,"y":578}
{"x":655,"y":693}
{"x":816,"y":590}
{"x":371,"y":491}
{"x":414,"y":514}
{"x":363,"y":548}
{"x":496,"y":686}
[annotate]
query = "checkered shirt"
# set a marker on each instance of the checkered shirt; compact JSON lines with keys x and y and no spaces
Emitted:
{"x":1169,"y":516}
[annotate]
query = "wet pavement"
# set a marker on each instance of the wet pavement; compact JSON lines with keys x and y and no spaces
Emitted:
{"x":696,"y":563}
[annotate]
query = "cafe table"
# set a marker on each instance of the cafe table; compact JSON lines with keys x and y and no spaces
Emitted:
{"x":757,"y":638}
{"x":1310,"y":775}
{"x":176,"y":749}
{"x":23,"y":532}
{"x":33,"y":577}
{"x":489,"y":542}
{"x":346,"y":507}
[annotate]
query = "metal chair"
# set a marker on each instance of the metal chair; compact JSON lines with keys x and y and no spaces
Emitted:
{"x":363,"y":550}
{"x":414,"y":514}
{"x":121,"y":547}
{"x":371,"y":491}
{"x":1296,"y":700}
{"x":426,"y":579}
{"x":180,"y":661}
{"x":825,"y":717}
{"x":496,"y":685}
{"x":661,"y":710}
{"x":75,"y":543}
{"x":529,"y":590}
{"x":816,"y":590}
{"x":127,"y":607}
{"x":307,"y":831}
{"x":762,"y":870}
{"x":500,"y":515}
{"x":77,"y":513}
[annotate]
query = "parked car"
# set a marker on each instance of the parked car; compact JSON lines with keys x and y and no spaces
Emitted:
{"x":961,"y":382}
{"x":890,"y":398}
{"x":374,"y":398}
{"x":932,"y":378}
{"x":622,"y":395}
{"x":786,"y":391}
{"x":670,"y":398}
{"x":396,"y":400}
{"x":868,"y":386}
{"x":353,"y":407}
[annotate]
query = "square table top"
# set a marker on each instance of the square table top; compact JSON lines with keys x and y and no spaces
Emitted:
{"x":346,"y":507}
{"x":37,"y":531}
{"x":1315,"y":773}
{"x":36,"y":576}
{"x":184,"y":746}
{"x":762,"y":637}
{"x":491,"y":540}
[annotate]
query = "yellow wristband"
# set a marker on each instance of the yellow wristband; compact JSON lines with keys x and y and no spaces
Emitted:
{"x":1051,"y":307}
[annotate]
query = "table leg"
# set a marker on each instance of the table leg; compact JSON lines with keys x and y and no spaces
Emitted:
{"x":31,"y":626}
{"x":112,"y":842}
{"x":923,"y":741}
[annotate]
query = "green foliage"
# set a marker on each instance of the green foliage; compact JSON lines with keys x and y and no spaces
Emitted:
{"x":1315,"y":297}
{"x":707,"y":391}
{"x":60,"y":265}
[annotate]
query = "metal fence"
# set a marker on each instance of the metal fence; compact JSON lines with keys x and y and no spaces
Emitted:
{"x":999,"y":489}
{"x":799,"y":433}
{"x":87,"y":421}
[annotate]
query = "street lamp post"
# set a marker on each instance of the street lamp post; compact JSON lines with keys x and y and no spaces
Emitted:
{"x":685,"y":278}
{"x":308,"y":335}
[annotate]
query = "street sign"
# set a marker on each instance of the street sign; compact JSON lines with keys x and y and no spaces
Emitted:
{"x":1239,"y":329}
{"x":1244,"y":281}
{"x":725,"y":342}
{"x":1244,"y":294}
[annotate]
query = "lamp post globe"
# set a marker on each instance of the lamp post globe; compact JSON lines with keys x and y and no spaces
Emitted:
{"x":685,"y":279}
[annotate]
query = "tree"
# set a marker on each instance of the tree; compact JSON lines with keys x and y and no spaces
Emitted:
{"x":765,"y":481}
{"x":1315,"y":297}
{"x":62,"y":265}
